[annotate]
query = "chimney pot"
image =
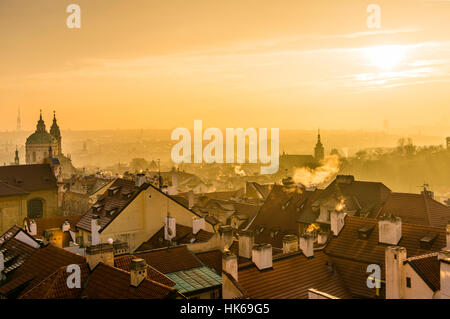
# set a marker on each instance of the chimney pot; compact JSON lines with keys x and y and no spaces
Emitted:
{"x":307,"y":245}
{"x":290,"y":243}
{"x":198,"y":224}
{"x":389,"y":230}
{"x":246,"y":243}
{"x":230,"y":264}
{"x":138,"y":271}
{"x":337,"y":220}
{"x":262,"y":256}
{"x":95,"y":228}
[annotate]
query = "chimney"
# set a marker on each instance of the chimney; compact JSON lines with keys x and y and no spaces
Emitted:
{"x":65,"y":226}
{"x":262,"y":256}
{"x":33,"y":228}
{"x":230,"y":264}
{"x":138,"y":272}
{"x":389,"y":230}
{"x":444,"y":261}
{"x":395,"y":272}
{"x":95,"y":227}
{"x":100,"y":253}
{"x":307,"y":245}
{"x":322,"y":238}
{"x":198,"y":224}
{"x":191,"y":199}
{"x":140,"y":180}
{"x":290,"y":244}
{"x":170,"y":228}
{"x":337,"y":218}
{"x":246,"y":243}
{"x":226,"y":237}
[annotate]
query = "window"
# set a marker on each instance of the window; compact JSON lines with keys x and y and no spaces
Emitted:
{"x":408,"y":282}
{"x":35,"y":208}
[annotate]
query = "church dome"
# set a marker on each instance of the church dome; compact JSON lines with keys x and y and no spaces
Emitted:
{"x":41,"y":138}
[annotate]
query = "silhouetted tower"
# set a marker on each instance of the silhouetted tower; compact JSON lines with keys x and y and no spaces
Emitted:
{"x":56,"y":133}
{"x":319,"y":151}
{"x":16,"y":159}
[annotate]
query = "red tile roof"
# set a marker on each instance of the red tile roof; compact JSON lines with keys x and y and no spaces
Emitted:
{"x":11,"y":190}
{"x":417,"y":209}
{"x":118,"y":201}
{"x":279,"y":214}
{"x":428,"y":267}
{"x":40,"y":265}
{"x":352,"y":255}
{"x":124,"y":263}
{"x":212,"y":259}
{"x":184,"y":235}
{"x":29,"y":178}
{"x":171,"y":259}
{"x":107,"y":282}
{"x":291,"y":277}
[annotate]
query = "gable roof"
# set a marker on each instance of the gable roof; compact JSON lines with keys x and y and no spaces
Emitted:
{"x":169,"y":260}
{"x":352,"y":255}
{"x":29,"y":178}
{"x":279,"y":214}
{"x":106,"y":282}
{"x":416,"y":209}
{"x":126,"y":192}
{"x":428,"y":268}
{"x":42,"y":263}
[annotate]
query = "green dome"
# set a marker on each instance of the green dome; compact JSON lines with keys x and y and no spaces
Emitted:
{"x":41,"y":138}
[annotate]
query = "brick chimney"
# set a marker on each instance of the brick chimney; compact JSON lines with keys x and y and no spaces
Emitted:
{"x":230,"y":264}
{"x":138,"y":271}
{"x":198,"y":224}
{"x":307,"y":245}
{"x":337,"y":218}
{"x":389,"y":230}
{"x":100,"y":253}
{"x":246,"y":243}
{"x":395,"y":272}
{"x":226,"y":237}
{"x":290,"y":243}
{"x":262,"y":256}
{"x":170,"y":228}
{"x":444,"y":261}
{"x":95,"y":228}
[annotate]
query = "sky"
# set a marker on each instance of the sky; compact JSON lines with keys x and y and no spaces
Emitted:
{"x":288,"y":64}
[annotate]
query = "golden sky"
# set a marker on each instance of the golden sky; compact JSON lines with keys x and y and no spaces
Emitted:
{"x":237,"y":63}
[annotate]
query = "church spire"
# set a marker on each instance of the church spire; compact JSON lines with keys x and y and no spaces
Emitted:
{"x":56,"y":133}
{"x":319,"y":151}
{"x":16,"y":159}
{"x":41,"y":124}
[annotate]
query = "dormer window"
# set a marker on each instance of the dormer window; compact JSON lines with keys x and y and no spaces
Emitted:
{"x":427,"y":241}
{"x":364,"y":232}
{"x":96,"y":208}
{"x":111,"y":211}
{"x":113,"y":190}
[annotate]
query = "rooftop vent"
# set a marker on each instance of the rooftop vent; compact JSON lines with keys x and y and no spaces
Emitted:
{"x":427,"y":241}
{"x":364,"y":232}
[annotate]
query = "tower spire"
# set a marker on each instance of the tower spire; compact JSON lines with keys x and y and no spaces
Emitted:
{"x":16,"y":158}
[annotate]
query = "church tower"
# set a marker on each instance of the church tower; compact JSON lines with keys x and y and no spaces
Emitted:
{"x":319,"y":151}
{"x":56,"y":133}
{"x":16,"y":159}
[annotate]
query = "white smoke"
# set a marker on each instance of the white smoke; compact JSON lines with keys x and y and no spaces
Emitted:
{"x":319,"y":175}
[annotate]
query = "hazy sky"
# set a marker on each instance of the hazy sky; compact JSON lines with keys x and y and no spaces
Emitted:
{"x":236,"y":63}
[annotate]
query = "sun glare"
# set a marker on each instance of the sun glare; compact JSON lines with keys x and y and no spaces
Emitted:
{"x":385,"y":57}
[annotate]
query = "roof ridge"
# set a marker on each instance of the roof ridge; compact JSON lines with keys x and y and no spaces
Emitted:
{"x":422,"y":256}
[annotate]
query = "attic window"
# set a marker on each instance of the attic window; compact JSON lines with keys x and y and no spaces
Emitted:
{"x":111,"y":211}
{"x":286,"y":204}
{"x":127,"y":195}
{"x":364,"y":232}
{"x":427,"y":241}
{"x":97,"y":207}
{"x":261,"y":229}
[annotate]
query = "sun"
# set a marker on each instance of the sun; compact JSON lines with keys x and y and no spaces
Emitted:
{"x":385,"y":57}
